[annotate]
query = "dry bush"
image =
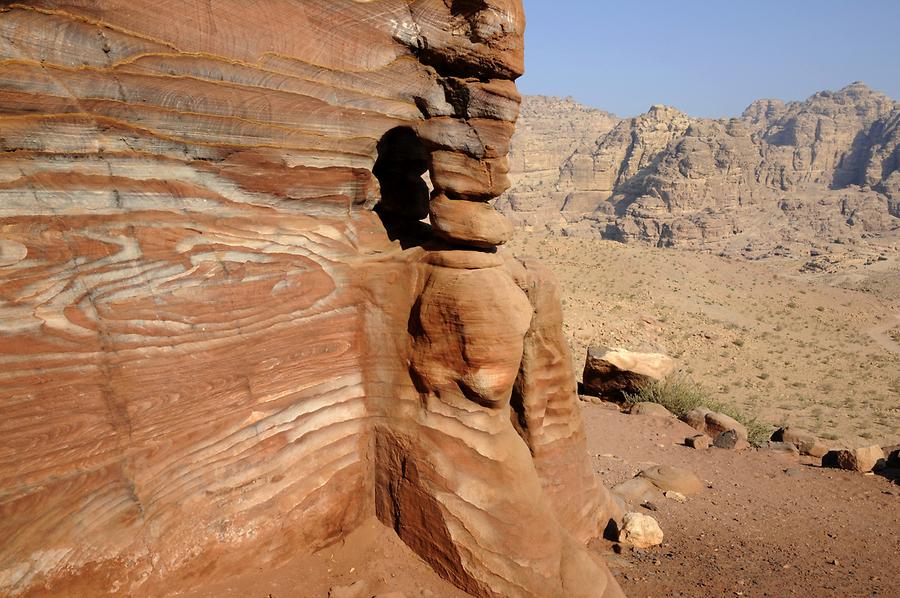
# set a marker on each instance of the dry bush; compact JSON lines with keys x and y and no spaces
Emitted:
{"x":681,"y":395}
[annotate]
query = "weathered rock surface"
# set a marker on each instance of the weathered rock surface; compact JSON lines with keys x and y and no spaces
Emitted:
{"x":729,"y":439}
{"x":213,"y":350}
{"x":713,"y":423}
{"x":806,"y":442}
{"x":671,"y":478}
{"x":698,"y":441}
{"x":862,"y":459}
{"x":613,"y":373}
{"x":640,"y":531}
{"x":646,"y":408}
{"x":780,"y":178}
{"x":636,"y":490}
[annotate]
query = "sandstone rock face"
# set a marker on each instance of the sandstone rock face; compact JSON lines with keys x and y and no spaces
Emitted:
{"x":613,"y":373}
{"x":778,"y":179}
{"x":214,"y":351}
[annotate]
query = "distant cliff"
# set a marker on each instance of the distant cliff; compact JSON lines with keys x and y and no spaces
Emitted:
{"x":810,"y":173}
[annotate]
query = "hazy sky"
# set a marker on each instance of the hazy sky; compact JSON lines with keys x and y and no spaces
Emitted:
{"x":707,"y":57}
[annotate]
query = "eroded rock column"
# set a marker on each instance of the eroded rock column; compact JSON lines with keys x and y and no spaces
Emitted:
{"x":482,"y":468}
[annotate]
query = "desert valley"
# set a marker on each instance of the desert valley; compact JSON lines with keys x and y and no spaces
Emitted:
{"x":671,"y":234}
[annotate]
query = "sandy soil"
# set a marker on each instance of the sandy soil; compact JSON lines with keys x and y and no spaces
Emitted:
{"x":810,"y":350}
{"x":373,"y":557}
{"x":768,"y":524}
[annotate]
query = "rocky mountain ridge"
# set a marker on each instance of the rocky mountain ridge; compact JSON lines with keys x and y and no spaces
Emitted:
{"x":799,"y":177}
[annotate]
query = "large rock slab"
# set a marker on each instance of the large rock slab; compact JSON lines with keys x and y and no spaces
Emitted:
{"x":672,"y":478}
{"x":613,"y":373}
{"x":225,"y":336}
{"x":862,"y":459}
{"x":713,"y":423}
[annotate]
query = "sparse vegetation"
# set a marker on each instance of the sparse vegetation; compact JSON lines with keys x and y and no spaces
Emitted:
{"x":681,"y":395}
{"x":792,"y":359}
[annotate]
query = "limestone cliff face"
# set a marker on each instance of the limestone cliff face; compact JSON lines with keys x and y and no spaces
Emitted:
{"x":225,"y":334}
{"x":820,"y":169}
{"x":548,"y":132}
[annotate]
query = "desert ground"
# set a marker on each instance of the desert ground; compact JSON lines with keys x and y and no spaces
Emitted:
{"x":820,"y":351}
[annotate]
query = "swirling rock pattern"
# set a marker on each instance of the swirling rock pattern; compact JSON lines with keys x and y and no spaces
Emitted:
{"x":212,"y":346}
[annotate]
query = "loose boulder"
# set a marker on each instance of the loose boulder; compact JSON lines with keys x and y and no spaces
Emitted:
{"x":640,"y":531}
{"x":726,"y":440}
{"x":698,"y":441}
{"x":670,"y":478}
{"x":862,"y":459}
{"x":614,"y":373}
{"x":712,"y":423}
{"x":806,"y":442}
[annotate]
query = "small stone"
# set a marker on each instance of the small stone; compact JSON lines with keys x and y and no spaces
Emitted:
{"x":726,"y":440}
{"x":640,"y":531}
{"x":700,"y":441}
{"x":649,"y":506}
{"x":676,"y":496}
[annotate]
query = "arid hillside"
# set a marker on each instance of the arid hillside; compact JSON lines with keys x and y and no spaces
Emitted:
{"x":811,"y":349}
{"x":801,"y":179}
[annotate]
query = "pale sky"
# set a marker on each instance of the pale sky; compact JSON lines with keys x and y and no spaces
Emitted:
{"x":707,"y":57}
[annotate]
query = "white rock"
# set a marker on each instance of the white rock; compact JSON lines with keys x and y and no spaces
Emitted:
{"x":640,"y":531}
{"x":676,"y":496}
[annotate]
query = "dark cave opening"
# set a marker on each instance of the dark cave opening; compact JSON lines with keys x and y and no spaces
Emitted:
{"x":400,"y":168}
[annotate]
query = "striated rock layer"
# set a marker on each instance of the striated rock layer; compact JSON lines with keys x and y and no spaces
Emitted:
{"x":780,"y":177}
{"x":215,"y":352}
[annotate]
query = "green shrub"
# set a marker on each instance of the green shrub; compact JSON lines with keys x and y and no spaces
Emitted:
{"x":681,"y":395}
